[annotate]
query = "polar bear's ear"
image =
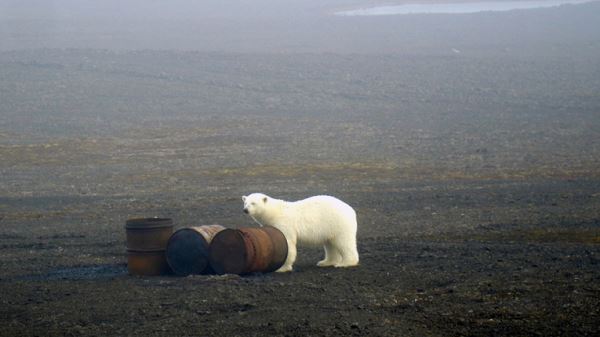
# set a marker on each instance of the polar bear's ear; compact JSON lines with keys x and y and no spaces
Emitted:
{"x":244,"y":198}
{"x":265,"y":200}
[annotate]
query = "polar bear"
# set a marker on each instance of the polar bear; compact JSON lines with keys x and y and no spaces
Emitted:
{"x":316,"y":221}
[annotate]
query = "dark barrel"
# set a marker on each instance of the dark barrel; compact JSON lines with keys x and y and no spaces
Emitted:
{"x":147,"y":240}
{"x":248,"y":250}
{"x":187,"y":250}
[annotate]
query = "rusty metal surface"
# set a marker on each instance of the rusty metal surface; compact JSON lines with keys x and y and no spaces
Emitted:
{"x":147,"y":263}
{"x":259,"y":242}
{"x":145,"y":223}
{"x":280,"y":248}
{"x":148,"y":234}
{"x":228,"y":253}
{"x":247,"y":250}
{"x":208,"y":231}
{"x":147,"y":240}
{"x":187,"y":249}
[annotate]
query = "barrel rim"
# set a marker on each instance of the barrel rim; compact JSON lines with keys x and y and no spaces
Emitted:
{"x":182,"y":229}
{"x":144,"y":223}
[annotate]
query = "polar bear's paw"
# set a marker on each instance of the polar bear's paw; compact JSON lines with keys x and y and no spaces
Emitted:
{"x":284,"y":269}
{"x":346,"y":264}
{"x":325,"y":263}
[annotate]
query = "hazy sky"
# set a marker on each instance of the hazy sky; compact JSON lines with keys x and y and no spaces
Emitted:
{"x":275,"y":26}
{"x":164,"y":9}
{"x":135,"y":23}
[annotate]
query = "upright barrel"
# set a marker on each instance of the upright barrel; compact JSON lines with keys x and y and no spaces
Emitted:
{"x":147,"y":240}
{"x":248,"y":250}
{"x":187,"y":250}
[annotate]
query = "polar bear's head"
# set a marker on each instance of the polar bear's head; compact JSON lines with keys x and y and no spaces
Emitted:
{"x":255,"y":204}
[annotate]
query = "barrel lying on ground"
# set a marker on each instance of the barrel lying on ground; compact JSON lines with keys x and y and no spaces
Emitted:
{"x":147,"y":240}
{"x":248,"y":250}
{"x":187,"y":250}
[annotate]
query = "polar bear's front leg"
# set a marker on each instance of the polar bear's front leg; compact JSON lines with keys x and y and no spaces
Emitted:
{"x":291,"y":258}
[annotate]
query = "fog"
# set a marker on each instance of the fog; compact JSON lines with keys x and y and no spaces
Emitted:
{"x":278,"y":26}
{"x":137,"y":24}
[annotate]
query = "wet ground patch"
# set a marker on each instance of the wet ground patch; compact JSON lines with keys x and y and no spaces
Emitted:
{"x":91,"y":272}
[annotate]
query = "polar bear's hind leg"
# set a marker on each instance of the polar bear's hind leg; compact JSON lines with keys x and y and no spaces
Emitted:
{"x":332,"y":256}
{"x":348,"y":253}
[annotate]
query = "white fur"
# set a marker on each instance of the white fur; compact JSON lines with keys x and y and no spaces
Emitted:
{"x":316,"y":221}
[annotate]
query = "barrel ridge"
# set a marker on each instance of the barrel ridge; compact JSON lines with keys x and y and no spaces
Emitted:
{"x":146,"y":242}
{"x":263,"y":249}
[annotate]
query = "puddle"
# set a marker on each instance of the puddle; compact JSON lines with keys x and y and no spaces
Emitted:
{"x":81,"y":273}
{"x":458,"y":8}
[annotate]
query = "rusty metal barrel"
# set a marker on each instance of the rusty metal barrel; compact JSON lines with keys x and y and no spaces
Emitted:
{"x":147,"y":240}
{"x":187,"y":250}
{"x":248,"y":250}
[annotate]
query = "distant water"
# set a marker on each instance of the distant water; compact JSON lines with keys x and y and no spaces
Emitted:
{"x":459,"y":7}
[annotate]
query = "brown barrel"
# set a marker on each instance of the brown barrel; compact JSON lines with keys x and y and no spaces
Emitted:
{"x":280,"y":248}
{"x":248,"y":250}
{"x":147,"y":263}
{"x":147,"y":240}
{"x":187,"y":250}
{"x":148,"y":233}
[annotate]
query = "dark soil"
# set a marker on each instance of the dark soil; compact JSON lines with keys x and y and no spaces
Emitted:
{"x":451,"y":271}
{"x":475,"y":177}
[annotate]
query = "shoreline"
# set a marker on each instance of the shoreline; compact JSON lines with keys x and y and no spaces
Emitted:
{"x":409,"y":7}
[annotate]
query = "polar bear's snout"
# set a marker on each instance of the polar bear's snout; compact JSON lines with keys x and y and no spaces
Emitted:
{"x":246,"y":210}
